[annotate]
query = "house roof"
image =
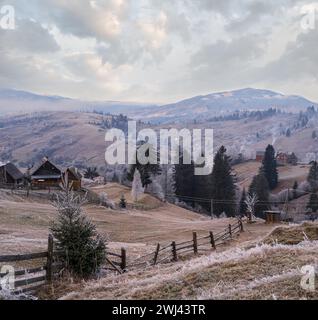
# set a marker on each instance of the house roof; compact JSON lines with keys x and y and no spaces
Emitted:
{"x":13,"y":171}
{"x":36,"y":167}
{"x":260,"y":153}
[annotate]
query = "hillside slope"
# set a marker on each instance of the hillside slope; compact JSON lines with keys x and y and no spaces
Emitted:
{"x":262,"y":272}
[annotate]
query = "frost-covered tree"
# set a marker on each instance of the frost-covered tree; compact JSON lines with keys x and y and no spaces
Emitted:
{"x":148,"y":170}
{"x":137,"y":189}
{"x":105,"y":201}
{"x":83,"y":249}
{"x":251,"y":201}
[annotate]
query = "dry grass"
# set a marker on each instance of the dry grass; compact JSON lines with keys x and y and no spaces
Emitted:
{"x":265,"y":272}
{"x":287,"y":174}
{"x":293,"y":235}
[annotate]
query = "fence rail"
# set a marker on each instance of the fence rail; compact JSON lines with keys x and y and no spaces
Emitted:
{"x":30,"y":279}
{"x":117,"y":262}
{"x":174,"y":250}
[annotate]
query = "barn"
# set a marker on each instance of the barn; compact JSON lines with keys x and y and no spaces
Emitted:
{"x":74,"y":177}
{"x":10,"y":174}
{"x":45,"y":174}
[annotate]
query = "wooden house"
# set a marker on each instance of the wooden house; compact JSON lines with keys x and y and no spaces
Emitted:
{"x":286,"y":158}
{"x":260,"y":156}
{"x":74,"y":177}
{"x":45,"y":175}
{"x":10,"y":174}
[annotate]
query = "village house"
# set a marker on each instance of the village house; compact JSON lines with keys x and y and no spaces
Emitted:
{"x":10,"y":174}
{"x":284,"y":158}
{"x":45,"y":175}
{"x":260,"y":156}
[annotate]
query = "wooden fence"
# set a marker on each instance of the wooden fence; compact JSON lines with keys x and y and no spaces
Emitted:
{"x":174,"y":250}
{"x":49,"y":267}
{"x":31,"y":279}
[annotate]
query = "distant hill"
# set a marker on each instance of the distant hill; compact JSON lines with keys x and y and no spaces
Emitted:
{"x":214,"y":104}
{"x":17,"y":101}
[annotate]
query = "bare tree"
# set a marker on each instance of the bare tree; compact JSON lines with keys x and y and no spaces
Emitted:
{"x":251,"y":201}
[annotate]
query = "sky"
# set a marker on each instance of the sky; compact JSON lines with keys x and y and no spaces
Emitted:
{"x":160,"y":51}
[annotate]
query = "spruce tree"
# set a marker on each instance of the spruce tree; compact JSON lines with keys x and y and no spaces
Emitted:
{"x":152,"y":168}
{"x":136,"y":190}
{"x":243,"y":205}
{"x":269,"y":167}
{"x":183,"y":180}
{"x":91,"y":173}
{"x":259,"y":186}
{"x":83,"y":251}
{"x":313,"y":202}
{"x":313,"y":176}
{"x":222,"y":184}
{"x":295,"y":187}
{"x":122,"y":202}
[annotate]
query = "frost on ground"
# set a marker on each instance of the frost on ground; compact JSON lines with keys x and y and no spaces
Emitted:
{"x":263,"y":272}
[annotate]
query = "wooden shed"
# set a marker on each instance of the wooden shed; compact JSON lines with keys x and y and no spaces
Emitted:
{"x":74,"y":177}
{"x":10,"y":174}
{"x":45,"y":175}
{"x":272,"y":216}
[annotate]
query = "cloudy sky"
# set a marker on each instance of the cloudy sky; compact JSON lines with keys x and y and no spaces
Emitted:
{"x":160,"y":50}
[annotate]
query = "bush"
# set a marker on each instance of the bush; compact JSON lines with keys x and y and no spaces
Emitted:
{"x":83,"y":250}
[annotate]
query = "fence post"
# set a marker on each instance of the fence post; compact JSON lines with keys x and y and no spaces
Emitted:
{"x":156,"y":254}
{"x":49,"y":261}
{"x":212,"y":240}
{"x":230,"y":230}
{"x":195,"y":243}
{"x":241,"y":225}
{"x":174,"y":251}
{"x":123,"y":264}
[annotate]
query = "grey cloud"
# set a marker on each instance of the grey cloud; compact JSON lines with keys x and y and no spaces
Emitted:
{"x":29,"y":36}
{"x":298,"y":61}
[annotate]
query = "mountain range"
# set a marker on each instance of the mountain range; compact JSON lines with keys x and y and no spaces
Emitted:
{"x":198,"y":108}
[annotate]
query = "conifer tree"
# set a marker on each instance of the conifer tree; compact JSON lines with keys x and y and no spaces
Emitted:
{"x":269,"y":167}
{"x":152,"y":168}
{"x":243,"y":205}
{"x":83,"y":250}
{"x":313,"y":176}
{"x":222,"y":184}
{"x":122,"y":202}
{"x":259,"y":187}
{"x":184,"y":179}
{"x":313,"y":202}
